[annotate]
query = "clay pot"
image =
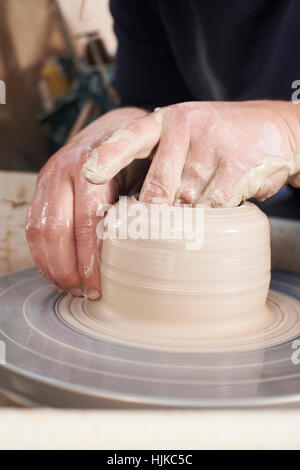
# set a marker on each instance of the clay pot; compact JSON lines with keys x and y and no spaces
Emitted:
{"x":173,"y":287}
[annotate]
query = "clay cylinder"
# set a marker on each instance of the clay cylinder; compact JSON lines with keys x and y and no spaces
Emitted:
{"x":216,"y":287}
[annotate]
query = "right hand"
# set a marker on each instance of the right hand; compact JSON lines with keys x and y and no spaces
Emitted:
{"x":213,"y":153}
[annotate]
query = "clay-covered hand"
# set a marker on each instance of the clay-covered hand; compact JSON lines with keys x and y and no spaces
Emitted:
{"x":215,"y":153}
{"x":62,"y":218}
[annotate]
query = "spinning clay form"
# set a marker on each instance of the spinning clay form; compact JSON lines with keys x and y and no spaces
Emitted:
{"x":183,"y":321}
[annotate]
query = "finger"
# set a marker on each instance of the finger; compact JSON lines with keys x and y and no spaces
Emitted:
{"x":232,"y":184}
{"x":199,"y":170}
{"x":168,"y":162}
{"x":58,"y":241}
{"x":89,"y":200}
{"x":127,"y":143}
{"x":52,"y":226}
{"x":34,"y":242}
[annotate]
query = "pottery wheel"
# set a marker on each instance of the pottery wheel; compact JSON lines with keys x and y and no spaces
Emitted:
{"x":56,"y":355}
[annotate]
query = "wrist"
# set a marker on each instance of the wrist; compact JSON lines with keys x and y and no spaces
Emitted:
{"x":290,"y":117}
{"x":294,"y":123}
{"x":294,"y":112}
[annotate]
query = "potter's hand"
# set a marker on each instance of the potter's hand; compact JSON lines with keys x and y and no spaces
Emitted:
{"x":62,"y":219}
{"x":215,"y":153}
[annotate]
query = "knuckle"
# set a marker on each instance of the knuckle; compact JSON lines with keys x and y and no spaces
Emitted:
{"x":155,"y":189}
{"x":83,"y":230}
{"x":32,"y":231}
{"x":121,"y":133}
{"x":202,"y":114}
{"x":51,"y":232}
{"x":177,"y":115}
{"x":134,"y":128}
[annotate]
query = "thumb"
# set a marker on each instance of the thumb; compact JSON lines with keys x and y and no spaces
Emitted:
{"x":134,"y":140}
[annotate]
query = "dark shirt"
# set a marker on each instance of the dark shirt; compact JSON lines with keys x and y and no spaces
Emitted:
{"x":181,"y":50}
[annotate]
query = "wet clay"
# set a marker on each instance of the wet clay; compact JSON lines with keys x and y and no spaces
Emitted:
{"x":163,"y":290}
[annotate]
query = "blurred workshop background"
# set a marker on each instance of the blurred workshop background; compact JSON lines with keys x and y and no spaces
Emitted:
{"x":57,"y":63}
{"x":57,"y":60}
